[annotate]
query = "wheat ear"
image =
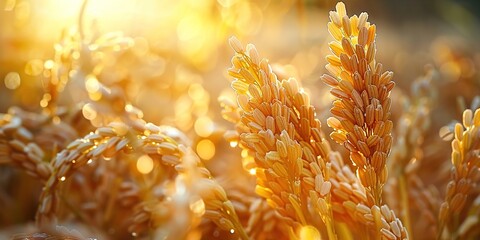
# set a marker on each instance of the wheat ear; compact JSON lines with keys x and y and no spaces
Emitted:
{"x":119,"y":138}
{"x":278,"y":123}
{"x":17,"y":147}
{"x":361,"y":110}
{"x":465,"y":174}
{"x":410,"y":132}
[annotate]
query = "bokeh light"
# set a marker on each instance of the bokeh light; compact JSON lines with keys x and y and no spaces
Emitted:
{"x":144,"y":164}
{"x":89,"y":112}
{"x":204,"y":126}
{"x":198,"y":207}
{"x":12,"y":80}
{"x":309,"y":232}
{"x":206,"y":149}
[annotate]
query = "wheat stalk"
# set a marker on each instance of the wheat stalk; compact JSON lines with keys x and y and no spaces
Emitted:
{"x":468,"y":228}
{"x":17,"y":147}
{"x":119,"y":138}
{"x":427,"y":203}
{"x":362,"y":109}
{"x":263,"y":221}
{"x":410,"y":132}
{"x":464,"y":175}
{"x":28,"y":139}
{"x":57,"y":71}
{"x":290,"y":152}
{"x":263,"y":131}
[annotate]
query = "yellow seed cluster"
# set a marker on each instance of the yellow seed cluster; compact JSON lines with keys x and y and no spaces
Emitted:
{"x":465,"y":172}
{"x":362,"y":109}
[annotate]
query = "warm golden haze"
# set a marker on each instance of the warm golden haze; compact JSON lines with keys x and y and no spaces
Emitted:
{"x":152,"y":120}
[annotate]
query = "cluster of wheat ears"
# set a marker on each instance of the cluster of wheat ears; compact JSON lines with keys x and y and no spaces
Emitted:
{"x":304,"y":189}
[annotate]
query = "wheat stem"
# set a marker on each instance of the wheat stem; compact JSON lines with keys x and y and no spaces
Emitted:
{"x":81,"y":16}
{"x":404,"y":203}
{"x":330,"y":230}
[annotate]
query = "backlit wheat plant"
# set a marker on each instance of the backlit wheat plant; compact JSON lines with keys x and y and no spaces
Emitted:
{"x":404,"y":183}
{"x":297,"y":172}
{"x":103,"y":171}
{"x":141,"y":140}
{"x":290,"y":152}
{"x":456,"y":220}
{"x":362,"y":109}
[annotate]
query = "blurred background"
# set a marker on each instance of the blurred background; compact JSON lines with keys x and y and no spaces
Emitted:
{"x":174,"y":67}
{"x":175,"y":41}
{"x":171,"y":57}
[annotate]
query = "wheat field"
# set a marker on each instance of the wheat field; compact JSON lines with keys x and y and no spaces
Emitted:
{"x":238,"y":119}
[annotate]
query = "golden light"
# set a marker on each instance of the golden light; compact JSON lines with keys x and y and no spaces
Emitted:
{"x":198,"y":207}
{"x":197,"y":92}
{"x":93,"y":88}
{"x":12,"y":80}
{"x":248,"y":163}
{"x":94,"y":9}
{"x":206,"y":149}
{"x":92,"y":84}
{"x":9,"y":5}
{"x":204,"y":126}
{"x":452,"y":70}
{"x":89,"y":111}
{"x":309,"y":233}
{"x":244,"y":153}
{"x":183,"y":116}
{"x":34,"y":67}
{"x":56,"y":120}
{"x":46,"y":98}
{"x":233,"y":144}
{"x":145,"y":164}
{"x":189,"y":27}
{"x":22,"y":12}
{"x":49,"y":64}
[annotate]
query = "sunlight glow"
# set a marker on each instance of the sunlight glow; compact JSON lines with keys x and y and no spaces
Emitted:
{"x":145,"y":164}
{"x":206,"y":149}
